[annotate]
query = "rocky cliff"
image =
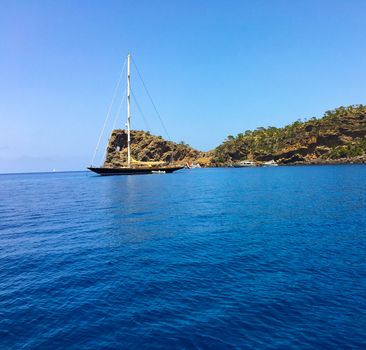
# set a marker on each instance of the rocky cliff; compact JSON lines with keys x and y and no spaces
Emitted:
{"x":149,"y":148}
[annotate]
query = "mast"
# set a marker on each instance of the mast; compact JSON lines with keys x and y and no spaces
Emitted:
{"x":128,"y":113}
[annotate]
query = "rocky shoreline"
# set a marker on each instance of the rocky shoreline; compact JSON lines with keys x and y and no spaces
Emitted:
{"x":342,"y":161}
{"x":355,"y":160}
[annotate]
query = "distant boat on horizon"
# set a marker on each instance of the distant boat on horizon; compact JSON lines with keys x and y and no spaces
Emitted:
{"x":134,"y":167}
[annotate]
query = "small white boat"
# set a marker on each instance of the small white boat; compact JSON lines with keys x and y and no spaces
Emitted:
{"x":270,"y":163}
{"x":244,"y":164}
{"x":190,"y":165}
{"x":158,"y":172}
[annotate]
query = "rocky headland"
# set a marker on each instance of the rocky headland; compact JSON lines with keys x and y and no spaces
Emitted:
{"x":150,"y":148}
{"x":338,"y":137}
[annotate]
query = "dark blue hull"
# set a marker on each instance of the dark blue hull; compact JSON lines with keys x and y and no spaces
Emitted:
{"x":134,"y":171}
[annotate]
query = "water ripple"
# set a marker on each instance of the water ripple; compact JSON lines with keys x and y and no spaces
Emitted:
{"x":213,"y":258}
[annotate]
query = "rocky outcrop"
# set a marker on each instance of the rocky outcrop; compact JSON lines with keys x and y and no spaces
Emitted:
{"x":148,"y":148}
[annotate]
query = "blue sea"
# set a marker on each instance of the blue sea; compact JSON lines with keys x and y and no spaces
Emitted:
{"x":253,"y":258}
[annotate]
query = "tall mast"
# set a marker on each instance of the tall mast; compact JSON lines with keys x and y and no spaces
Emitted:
{"x":128,"y":113}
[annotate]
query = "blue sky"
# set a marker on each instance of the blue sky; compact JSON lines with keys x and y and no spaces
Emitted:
{"x":214,"y":68}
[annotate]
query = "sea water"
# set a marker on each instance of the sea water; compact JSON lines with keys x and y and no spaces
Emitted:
{"x":250,"y":258}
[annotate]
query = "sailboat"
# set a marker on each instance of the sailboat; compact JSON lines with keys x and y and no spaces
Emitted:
{"x":134,"y":167}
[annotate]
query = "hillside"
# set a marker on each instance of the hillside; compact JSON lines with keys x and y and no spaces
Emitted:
{"x":338,"y":137}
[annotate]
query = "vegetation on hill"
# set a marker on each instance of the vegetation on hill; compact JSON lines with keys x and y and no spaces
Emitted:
{"x":338,"y":135}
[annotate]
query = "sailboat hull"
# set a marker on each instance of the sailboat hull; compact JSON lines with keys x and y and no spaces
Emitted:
{"x":134,"y":171}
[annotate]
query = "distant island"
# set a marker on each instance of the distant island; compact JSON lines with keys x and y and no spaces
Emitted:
{"x":339,"y":137}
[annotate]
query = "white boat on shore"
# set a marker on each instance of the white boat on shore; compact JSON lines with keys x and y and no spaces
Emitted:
{"x":270,"y":163}
{"x":190,"y":165}
{"x":244,"y":164}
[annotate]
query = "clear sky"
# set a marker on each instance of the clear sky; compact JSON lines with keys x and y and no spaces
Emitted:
{"x":213,"y":68}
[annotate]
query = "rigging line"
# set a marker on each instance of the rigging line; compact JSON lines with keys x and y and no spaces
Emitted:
{"x":119,"y":109}
{"x":115,"y":119}
{"x":109,"y":111}
{"x":140,"y":110}
{"x":151,"y":100}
